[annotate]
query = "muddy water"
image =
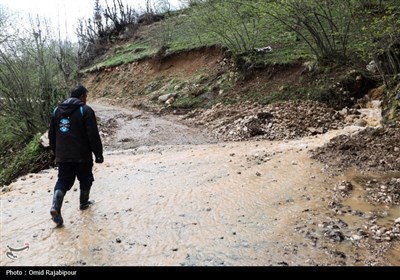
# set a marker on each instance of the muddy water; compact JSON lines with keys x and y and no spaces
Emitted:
{"x":135,"y":128}
{"x":358,"y":200}
{"x":387,"y":214}
{"x":177,"y":204}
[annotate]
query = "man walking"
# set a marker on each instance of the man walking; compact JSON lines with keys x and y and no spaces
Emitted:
{"x":74,"y":136}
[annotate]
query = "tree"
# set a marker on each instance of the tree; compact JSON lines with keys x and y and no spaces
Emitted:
{"x":35,"y":71}
{"x":5,"y":25}
{"x":381,"y":39}
{"x":324,"y":25}
{"x":108,"y":23}
{"x":235,"y":23}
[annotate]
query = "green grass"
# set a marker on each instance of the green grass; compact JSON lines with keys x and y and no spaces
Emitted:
{"x":188,"y":102}
{"x":123,"y":55}
{"x":179,"y":33}
{"x":32,"y":158}
{"x":8,"y":144}
{"x":17,"y":157}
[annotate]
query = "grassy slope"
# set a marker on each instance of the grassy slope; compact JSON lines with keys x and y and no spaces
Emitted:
{"x":178,"y":33}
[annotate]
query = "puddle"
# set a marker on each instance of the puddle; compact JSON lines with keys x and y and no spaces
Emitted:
{"x":386,"y":213}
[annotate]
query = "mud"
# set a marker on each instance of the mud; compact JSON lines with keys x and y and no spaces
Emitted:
{"x":169,"y":195}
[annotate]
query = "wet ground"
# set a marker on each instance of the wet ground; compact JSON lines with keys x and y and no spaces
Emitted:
{"x":169,"y":195}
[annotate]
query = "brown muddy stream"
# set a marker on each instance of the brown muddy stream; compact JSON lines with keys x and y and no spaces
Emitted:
{"x":166,"y":195}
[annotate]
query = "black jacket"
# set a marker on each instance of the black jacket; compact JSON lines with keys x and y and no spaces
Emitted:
{"x":73,"y":132}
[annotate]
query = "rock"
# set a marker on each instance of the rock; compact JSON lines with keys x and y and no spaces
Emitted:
{"x":170,"y":101}
{"x":371,"y":67}
{"x":344,"y":186}
{"x":360,"y":122}
{"x":44,"y":140}
{"x":377,"y":93}
{"x":356,"y":237}
{"x":270,"y":122}
{"x":313,"y":130}
{"x":165,"y":97}
{"x":266,"y":49}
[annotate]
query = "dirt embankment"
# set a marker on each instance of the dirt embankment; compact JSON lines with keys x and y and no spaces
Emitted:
{"x":136,"y":84}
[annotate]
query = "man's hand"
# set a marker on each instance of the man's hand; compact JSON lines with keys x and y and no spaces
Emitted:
{"x":99,"y":159}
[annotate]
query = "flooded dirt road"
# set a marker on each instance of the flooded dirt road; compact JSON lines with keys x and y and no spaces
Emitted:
{"x":166,"y":195}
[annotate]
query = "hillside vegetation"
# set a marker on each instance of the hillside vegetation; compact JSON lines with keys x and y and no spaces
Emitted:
{"x":330,"y":43}
{"x":335,"y":52}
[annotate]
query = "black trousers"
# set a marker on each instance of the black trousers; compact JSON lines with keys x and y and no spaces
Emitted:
{"x":68,"y":171}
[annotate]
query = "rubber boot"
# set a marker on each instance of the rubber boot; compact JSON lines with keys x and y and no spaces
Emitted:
{"x":84,"y":201}
{"x":55,"y":210}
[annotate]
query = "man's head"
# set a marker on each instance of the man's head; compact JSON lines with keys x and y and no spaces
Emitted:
{"x":79,"y":92}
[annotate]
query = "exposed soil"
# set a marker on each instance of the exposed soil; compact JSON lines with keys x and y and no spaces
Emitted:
{"x":131,"y":85}
{"x":295,"y":183}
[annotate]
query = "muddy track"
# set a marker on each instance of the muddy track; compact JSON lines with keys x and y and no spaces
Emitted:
{"x":168,"y":195}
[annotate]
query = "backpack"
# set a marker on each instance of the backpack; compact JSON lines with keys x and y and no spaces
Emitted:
{"x":64,"y":123}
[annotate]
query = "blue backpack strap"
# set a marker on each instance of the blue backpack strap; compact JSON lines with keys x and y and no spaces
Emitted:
{"x":54,"y":112}
{"x":82,"y":110}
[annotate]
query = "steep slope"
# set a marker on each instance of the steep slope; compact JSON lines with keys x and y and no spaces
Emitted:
{"x":141,"y":82}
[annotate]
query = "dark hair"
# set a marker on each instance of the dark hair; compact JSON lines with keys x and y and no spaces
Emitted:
{"x":78,"y":91}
